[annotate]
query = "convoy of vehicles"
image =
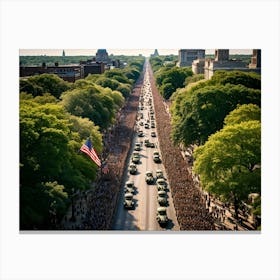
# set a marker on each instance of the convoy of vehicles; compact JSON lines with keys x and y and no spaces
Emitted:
{"x":143,"y":126}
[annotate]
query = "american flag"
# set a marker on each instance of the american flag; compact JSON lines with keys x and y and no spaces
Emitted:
{"x":89,"y":150}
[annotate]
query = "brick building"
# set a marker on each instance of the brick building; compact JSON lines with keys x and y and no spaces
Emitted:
{"x":69,"y":73}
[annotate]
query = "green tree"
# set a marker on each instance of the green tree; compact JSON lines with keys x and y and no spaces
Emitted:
{"x":124,"y":89}
{"x":193,"y":79}
{"x":199,"y":112}
{"x":132,"y":73}
{"x":50,"y":164}
{"x":44,"y":83}
{"x":167,"y":90}
{"x":40,"y":204}
{"x":229,"y":162}
{"x":243,"y":113}
{"x":247,"y":79}
{"x":92,"y":102}
{"x":107,"y":82}
{"x":172,"y":76}
{"x":118,"y":75}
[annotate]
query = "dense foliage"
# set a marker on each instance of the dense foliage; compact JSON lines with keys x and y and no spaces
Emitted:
{"x":51,"y":60}
{"x":247,"y":79}
{"x":45,"y":83}
{"x":229,"y":162}
{"x":243,"y":113}
{"x":199,"y":111}
{"x":170,"y":79}
{"x":50,"y":166}
{"x":159,"y":61}
{"x":94,"y":102}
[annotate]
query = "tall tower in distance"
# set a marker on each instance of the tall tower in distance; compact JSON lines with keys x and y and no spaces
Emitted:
{"x":63,"y":53}
{"x":102,"y":56}
{"x":221,"y":55}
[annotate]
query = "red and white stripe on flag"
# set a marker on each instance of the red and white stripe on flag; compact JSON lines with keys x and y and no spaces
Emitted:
{"x":91,"y":153}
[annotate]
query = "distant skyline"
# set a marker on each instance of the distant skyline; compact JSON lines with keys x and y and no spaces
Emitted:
{"x":92,"y":52}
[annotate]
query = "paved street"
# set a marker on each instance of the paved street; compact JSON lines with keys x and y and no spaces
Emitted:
{"x":143,"y":217}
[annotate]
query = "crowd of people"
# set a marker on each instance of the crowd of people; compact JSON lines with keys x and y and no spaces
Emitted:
{"x":188,"y":200}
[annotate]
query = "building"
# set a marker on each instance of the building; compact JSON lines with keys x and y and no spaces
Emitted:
{"x":92,"y":68}
{"x":155,"y":54}
{"x":187,"y":56}
{"x":221,"y":55}
{"x":102,"y":56}
{"x":222,"y":62}
{"x":63,"y":53}
{"x":198,"y":66}
{"x":69,"y":73}
{"x":255,"y":60}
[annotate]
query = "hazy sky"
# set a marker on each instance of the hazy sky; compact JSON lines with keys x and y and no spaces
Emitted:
{"x":88,"y":52}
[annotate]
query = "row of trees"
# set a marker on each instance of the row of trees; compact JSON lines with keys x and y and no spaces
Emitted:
{"x":222,"y":117}
{"x":56,"y":118}
{"x":199,"y":111}
{"x":169,"y":77}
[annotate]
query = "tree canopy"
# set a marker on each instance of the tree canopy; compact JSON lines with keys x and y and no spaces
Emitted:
{"x":93,"y":102}
{"x":50,"y":165}
{"x":229,"y":162}
{"x":200,"y":111}
{"x":243,"y":113}
{"x":44,"y":83}
{"x":247,"y":79}
{"x":169,"y":79}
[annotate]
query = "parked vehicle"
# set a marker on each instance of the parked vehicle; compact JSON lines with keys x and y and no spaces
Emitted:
{"x":137,"y":146}
{"x":132,"y":169}
{"x":149,"y":177}
{"x":136,"y":157}
{"x":140,"y":133}
{"x":159,"y":174}
{"x":156,"y":157}
{"x":162,"y":198}
{"x":129,"y":187}
{"x":152,"y":145}
{"x":162,"y":216}
{"x":128,"y":201}
{"x":161,"y":184}
{"x":146,"y":142}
